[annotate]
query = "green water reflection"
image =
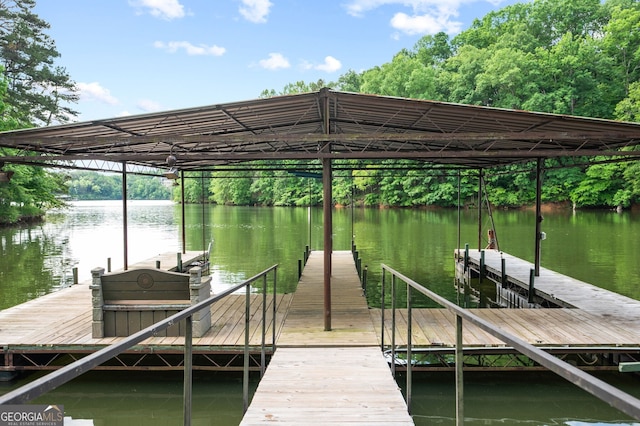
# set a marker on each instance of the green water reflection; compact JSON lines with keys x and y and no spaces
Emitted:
{"x":147,"y":398}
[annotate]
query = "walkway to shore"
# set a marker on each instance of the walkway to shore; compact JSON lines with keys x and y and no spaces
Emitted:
{"x":328,"y":377}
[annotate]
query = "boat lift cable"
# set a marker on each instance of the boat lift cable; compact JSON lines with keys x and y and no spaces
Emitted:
{"x":489,"y":212}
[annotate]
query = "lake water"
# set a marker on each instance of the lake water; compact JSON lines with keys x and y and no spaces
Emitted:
{"x":597,"y":247}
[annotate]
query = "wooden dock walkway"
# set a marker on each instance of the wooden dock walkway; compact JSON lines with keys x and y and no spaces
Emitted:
{"x":317,"y":375}
{"x":552,"y":285}
{"x":351,"y":323}
{"x":58,"y":325}
{"x":328,"y":377}
{"x":334,"y":385}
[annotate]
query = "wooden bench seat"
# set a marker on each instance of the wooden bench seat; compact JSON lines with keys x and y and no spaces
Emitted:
{"x":129,"y":301}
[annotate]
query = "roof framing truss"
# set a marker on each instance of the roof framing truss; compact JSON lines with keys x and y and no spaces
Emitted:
{"x":320,"y":125}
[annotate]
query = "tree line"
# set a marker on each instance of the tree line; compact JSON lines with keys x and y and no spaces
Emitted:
{"x":84,"y":185}
{"x":578,"y":57}
{"x":34,"y":91}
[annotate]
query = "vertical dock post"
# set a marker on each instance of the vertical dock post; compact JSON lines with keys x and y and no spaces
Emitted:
{"x":409,"y":343}
{"x":188,"y":370}
{"x":263,"y":355}
{"x":245,"y":368}
{"x":466,"y":257}
{"x":179,"y":262}
{"x":503,"y":277}
{"x":459,"y":373}
{"x":364,"y":279}
{"x":157,"y":264}
{"x":382,"y":306}
{"x":482,"y":271}
{"x":274,"y":308}
{"x":532,"y":290}
{"x":75,"y":275}
{"x":108,"y":264}
{"x":393,"y":325}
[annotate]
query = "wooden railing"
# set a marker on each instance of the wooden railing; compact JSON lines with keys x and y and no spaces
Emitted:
{"x":613,"y":396}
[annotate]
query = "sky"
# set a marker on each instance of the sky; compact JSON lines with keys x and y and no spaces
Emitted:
{"x":130,"y":57}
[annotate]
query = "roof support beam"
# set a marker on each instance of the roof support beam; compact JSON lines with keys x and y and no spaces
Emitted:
{"x":209,"y":156}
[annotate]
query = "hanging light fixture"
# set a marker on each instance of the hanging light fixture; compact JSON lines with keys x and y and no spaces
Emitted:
{"x":172,"y":174}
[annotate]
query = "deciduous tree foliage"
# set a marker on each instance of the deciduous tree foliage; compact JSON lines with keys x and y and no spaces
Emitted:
{"x":86,"y":185}
{"x":38,"y":91}
{"x":33,"y":91}
{"x":578,"y":57}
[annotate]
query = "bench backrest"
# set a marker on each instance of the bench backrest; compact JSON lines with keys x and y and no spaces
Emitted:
{"x":145,"y":284}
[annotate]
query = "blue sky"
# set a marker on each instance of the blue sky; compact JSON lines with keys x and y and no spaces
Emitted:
{"x":138,"y":56}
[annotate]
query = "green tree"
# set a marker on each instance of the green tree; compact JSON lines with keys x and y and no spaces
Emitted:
{"x":231,"y":188}
{"x":433,"y":50}
{"x":628,"y":109}
{"x":351,"y":81}
{"x":603,"y":186}
{"x":39,"y":91}
{"x":574,"y":79}
{"x":621,"y":42}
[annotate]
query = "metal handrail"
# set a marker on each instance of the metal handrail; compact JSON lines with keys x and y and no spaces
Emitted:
{"x":69,"y":372}
{"x":613,"y":396}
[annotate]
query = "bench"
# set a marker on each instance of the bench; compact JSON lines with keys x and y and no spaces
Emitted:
{"x":127,"y":302}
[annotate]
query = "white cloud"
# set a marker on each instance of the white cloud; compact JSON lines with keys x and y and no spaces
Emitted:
{"x":190,"y":49}
{"x":95,"y":92}
{"x":330,"y":64}
{"x":164,"y":9}
{"x":147,"y":105}
{"x":255,"y":10}
{"x":276,"y":61}
{"x":424,"y":24}
{"x":425,"y":17}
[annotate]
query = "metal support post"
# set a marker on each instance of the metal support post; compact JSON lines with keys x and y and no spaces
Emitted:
{"x":328,"y":243}
{"x":393,"y":325}
{"x":538,"y":215}
{"x":532,"y":290}
{"x":382,"y":306}
{"x":125,"y":214}
{"x":245,"y":370}
{"x":263,"y":355}
{"x":409,"y":344}
{"x":459,"y":373}
{"x":188,"y":371}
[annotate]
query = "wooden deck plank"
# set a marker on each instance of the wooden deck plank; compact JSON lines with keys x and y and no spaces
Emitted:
{"x":350,"y":320}
{"x":327,"y":385}
{"x":63,"y":319}
{"x":577,"y":293}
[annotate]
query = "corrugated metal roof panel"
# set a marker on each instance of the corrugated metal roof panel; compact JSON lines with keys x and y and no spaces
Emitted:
{"x":360,"y":126}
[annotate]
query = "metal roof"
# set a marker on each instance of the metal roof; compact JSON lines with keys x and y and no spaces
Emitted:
{"x":323,"y":124}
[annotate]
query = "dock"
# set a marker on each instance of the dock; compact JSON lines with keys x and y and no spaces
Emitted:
{"x":554,"y":287}
{"x":342,"y":373}
{"x":324,"y":377}
{"x":55,"y":330}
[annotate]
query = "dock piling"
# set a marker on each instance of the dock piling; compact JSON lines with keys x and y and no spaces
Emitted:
{"x":532,"y":290}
